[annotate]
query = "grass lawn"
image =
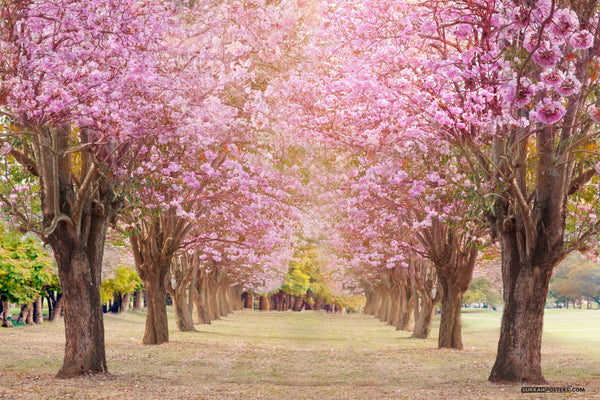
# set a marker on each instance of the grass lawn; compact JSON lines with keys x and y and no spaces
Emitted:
{"x":308,"y":355}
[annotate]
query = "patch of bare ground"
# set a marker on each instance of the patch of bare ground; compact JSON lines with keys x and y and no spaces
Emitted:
{"x":253,"y":355}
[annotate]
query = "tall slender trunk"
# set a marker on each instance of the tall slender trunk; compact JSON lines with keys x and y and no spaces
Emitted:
{"x":138,"y":303}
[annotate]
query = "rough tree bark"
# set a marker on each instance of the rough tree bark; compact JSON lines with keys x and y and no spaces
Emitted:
{"x":138,"y":303}
{"x":202,"y":299}
{"x":423,"y":281}
{"x":184,"y":270}
{"x":38,"y":312}
{"x":249,"y":300}
{"x":5,"y":314}
{"x":406,"y":313}
{"x":154,"y":241}
{"x":263,"y":303}
{"x":58,"y":309}
{"x":453,"y":254}
{"x":530,"y":223}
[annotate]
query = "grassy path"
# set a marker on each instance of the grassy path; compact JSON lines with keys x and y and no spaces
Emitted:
{"x":308,"y":355}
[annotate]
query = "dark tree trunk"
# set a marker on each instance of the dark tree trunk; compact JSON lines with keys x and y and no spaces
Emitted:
{"x":51,"y":304}
{"x":519,"y":347}
{"x":82,"y":308}
{"x":263,"y":303}
{"x":249,"y":300}
{"x":115,"y":307}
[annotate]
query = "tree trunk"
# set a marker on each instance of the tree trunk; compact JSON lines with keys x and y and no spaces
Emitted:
{"x":82,"y":309}
{"x":263,"y":303}
{"x":138,"y":303}
{"x":6,"y":323}
{"x":423,"y":282}
{"x":369,"y":299}
{"x":38,"y":310}
{"x":384,"y":308}
{"x":450,"y":325}
{"x":183,"y":311}
{"x":202,"y":299}
{"x":25,"y":314}
{"x":76,"y":219}
{"x":424,"y":318}
{"x":125,"y":302}
{"x":406,"y":318}
{"x":454,"y":277}
{"x":249,"y":300}
{"x":157,"y":324}
{"x":184,"y":271}
{"x":519,"y":347}
{"x":58,"y":309}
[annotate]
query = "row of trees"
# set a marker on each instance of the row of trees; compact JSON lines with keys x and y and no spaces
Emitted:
{"x":442,"y":121}
{"x":143,"y":117}
{"x":458,"y":119}
{"x":576,"y":280}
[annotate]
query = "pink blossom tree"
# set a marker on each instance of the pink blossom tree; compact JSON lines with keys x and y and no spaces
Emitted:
{"x":77,"y":79}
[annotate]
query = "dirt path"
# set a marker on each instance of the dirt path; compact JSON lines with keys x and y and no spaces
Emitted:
{"x":267,"y":355}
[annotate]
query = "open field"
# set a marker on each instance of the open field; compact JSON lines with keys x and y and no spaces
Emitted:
{"x":308,"y":355}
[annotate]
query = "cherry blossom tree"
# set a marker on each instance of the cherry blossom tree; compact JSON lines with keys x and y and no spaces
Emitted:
{"x":78,"y":80}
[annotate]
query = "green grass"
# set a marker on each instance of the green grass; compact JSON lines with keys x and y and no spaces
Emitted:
{"x":307,"y":355}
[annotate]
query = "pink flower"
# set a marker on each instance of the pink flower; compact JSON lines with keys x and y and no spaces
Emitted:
{"x":523,"y":96}
{"x":595,"y":114}
{"x":548,"y":112}
{"x":520,"y":16}
{"x":6,"y":148}
{"x":565,"y":22}
{"x":581,"y":40}
{"x":547,"y":57}
{"x":569,"y":86}
{"x":520,"y":98}
{"x":552,"y":77}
